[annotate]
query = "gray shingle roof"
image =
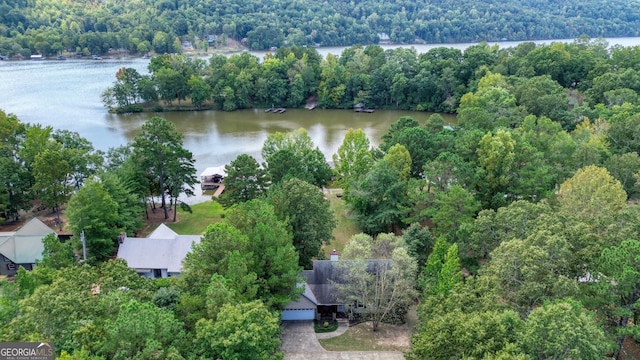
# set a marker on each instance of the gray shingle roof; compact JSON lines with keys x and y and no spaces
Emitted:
{"x":324,"y":271}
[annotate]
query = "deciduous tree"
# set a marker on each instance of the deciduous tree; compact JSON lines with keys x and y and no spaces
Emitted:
{"x":158,"y":149}
{"x":382,"y":286}
{"x":303,"y":208}
{"x":242,"y":331}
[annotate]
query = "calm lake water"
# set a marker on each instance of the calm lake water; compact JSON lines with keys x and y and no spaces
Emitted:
{"x":66,"y":95}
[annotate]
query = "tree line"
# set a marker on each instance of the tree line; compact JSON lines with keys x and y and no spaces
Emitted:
{"x":546,"y":79}
{"x":49,"y":27}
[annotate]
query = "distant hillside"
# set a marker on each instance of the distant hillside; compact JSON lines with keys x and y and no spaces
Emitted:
{"x":95,"y":26}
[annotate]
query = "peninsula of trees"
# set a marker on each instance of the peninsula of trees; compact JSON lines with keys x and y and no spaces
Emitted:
{"x":547,"y":79}
{"x":49,"y":27}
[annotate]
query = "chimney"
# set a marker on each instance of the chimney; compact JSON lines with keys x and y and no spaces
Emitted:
{"x":335,"y":255}
{"x":121,"y":237}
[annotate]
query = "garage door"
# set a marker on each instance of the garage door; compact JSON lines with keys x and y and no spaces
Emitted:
{"x":299,"y":314}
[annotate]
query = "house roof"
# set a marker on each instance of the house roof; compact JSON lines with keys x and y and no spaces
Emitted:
{"x":162,"y":249}
{"x":214,"y":170}
{"x":25,"y":246}
{"x":306,"y":300}
{"x":319,"y":279}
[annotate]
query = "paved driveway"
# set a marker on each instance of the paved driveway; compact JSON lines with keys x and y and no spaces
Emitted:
{"x":299,"y":342}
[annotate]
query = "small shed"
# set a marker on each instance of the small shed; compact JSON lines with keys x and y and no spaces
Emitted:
{"x":212,"y":177}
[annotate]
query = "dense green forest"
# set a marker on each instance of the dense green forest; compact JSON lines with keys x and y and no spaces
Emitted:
{"x":520,"y":225}
{"x":93,"y":27}
{"x":538,"y":79}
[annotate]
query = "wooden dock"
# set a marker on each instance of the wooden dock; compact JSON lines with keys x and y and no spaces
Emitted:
{"x":219,"y":191}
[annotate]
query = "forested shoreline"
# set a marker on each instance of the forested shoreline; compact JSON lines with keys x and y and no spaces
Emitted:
{"x":547,"y":79}
{"x":50,"y":27}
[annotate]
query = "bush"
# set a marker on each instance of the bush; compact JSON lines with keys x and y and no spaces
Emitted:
{"x":327,"y":326}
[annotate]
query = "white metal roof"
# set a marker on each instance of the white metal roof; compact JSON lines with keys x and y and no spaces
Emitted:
{"x":163,"y":249}
{"x":214,"y":170}
{"x":25,"y":246}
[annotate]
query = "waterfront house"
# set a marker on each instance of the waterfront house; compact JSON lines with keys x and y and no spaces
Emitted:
{"x":212,"y":177}
{"x":159,"y":255}
{"x":22,"y":247}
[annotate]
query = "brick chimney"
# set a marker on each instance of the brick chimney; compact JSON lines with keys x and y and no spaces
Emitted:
{"x":335,"y":255}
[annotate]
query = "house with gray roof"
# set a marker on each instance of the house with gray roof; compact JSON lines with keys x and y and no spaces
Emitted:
{"x":22,"y":247}
{"x":320,"y":297}
{"x":159,"y":255}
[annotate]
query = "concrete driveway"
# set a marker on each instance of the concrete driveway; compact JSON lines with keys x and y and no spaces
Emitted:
{"x":299,"y":342}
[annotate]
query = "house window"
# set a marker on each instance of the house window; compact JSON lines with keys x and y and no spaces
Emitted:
{"x":157,"y":273}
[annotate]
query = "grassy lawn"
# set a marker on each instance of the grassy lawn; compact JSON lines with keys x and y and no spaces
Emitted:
{"x":345,"y":228}
{"x":361,"y":338}
{"x":195,"y":223}
{"x":203,"y":215}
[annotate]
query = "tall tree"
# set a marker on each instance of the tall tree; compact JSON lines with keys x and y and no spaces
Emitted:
{"x":379,"y":200}
{"x":293,"y":154}
{"x":618,"y":290}
{"x":93,"y":211}
{"x":242,"y":331}
{"x":381,"y":286}
{"x":51,"y":172}
{"x":274,"y":259}
{"x":592,"y":192}
{"x":159,"y":150}
{"x":303,"y":207}
{"x":141,"y":330}
{"x":245,"y":180}
{"x":14,"y":177}
{"x":353,"y":158}
{"x":563,"y":329}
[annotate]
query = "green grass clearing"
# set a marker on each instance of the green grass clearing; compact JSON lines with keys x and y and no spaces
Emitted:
{"x":345,"y":227}
{"x":362,"y":338}
{"x":203,"y":215}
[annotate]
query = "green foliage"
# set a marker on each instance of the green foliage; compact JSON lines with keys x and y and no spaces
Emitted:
{"x":243,"y":331}
{"x":563,"y":330}
{"x":464,"y":335}
{"x":616,"y":289}
{"x":385,"y":287}
{"x":158,"y":150}
{"x":302,"y":207}
{"x":325,"y":327}
{"x":92,"y":210}
{"x":441,"y":273}
{"x":353,"y":158}
{"x":138,"y":327}
{"x":56,"y":254}
{"x":14,"y":178}
{"x":380,"y":198}
{"x":245,"y":180}
{"x":292,"y":155}
{"x":592,"y":192}
{"x":419,"y":242}
{"x":275,"y":260}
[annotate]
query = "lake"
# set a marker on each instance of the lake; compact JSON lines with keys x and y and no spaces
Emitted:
{"x":66,"y":95}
